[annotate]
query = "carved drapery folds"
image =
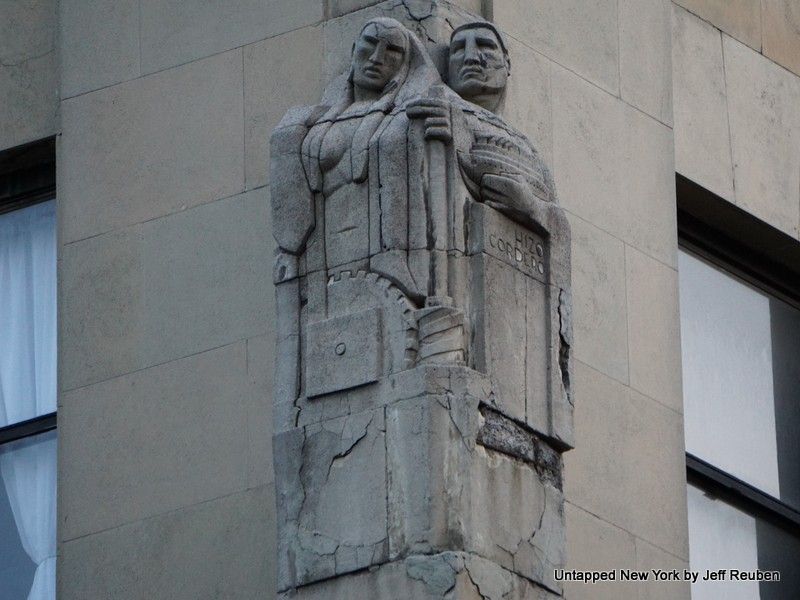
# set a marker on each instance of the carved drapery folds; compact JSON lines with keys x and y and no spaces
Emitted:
{"x":422,"y":383}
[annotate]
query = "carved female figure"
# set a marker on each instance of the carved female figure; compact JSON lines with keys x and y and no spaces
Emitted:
{"x":353,"y":156}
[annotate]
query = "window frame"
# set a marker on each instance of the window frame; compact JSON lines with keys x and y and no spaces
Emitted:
{"x":739,"y":244}
{"x":28,"y":177}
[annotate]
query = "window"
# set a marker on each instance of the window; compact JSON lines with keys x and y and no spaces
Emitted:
{"x":740,"y":338}
{"x":27,"y":373}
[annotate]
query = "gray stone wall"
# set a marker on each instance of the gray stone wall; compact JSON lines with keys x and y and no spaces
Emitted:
{"x":737,"y":115}
{"x":166,"y":310}
{"x":28,"y":71}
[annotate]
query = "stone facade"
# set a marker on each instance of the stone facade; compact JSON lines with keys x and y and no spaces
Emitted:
{"x":167,"y":332}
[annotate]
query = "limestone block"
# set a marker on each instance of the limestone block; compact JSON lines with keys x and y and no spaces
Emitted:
{"x":431,"y":442}
{"x":326,"y":529}
{"x":645,"y":56}
{"x":593,"y":544}
{"x":581,"y":36}
{"x":651,"y":557}
{"x":739,"y":18}
{"x":499,"y":321}
{"x":614,"y":166}
{"x":515,"y":519}
{"x":279,"y":72}
{"x":99,"y":44}
{"x":781,"y":38}
{"x":654,"y":339}
{"x":600,"y":319}
{"x":182,"y":421}
{"x":118,"y":171}
{"x":765,"y":136}
{"x":29,"y":97}
{"x":508,"y":242}
{"x":100,"y":305}
{"x":180,"y":554}
{"x":702,"y":137}
{"x":344,"y":352}
{"x":179,"y":31}
{"x":540,"y":359}
{"x":446,"y":492}
{"x":622,"y":436}
{"x":163,"y":290}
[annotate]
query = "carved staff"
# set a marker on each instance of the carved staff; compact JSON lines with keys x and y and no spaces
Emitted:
{"x":436,"y":112}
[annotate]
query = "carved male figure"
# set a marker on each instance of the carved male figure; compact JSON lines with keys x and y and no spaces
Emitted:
{"x":499,"y":164}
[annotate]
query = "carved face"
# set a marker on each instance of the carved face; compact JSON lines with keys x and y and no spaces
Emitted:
{"x":477,"y":66}
{"x":377,"y":56}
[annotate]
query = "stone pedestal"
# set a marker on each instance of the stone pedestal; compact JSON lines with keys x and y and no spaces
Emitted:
{"x":430,"y":484}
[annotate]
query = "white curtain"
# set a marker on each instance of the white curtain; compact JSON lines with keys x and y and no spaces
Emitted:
{"x":28,"y":380}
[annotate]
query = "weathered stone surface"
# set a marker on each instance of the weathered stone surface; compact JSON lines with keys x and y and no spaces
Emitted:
{"x":326,"y":529}
{"x":765,"y":136}
{"x":645,"y":56}
{"x":116,"y":172}
{"x":654,"y":339}
{"x":614,"y":166}
{"x":504,"y":435}
{"x":514,"y":518}
{"x":161,"y":290}
{"x":203,"y":400}
{"x":99,"y":44}
{"x":622,"y":435}
{"x":581,"y":36}
{"x":739,"y":18}
{"x":781,"y":37}
{"x":179,"y":31}
{"x":445,"y":576}
{"x":178,"y":554}
{"x":702,"y":137}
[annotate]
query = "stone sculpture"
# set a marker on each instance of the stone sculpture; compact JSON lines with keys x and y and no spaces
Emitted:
{"x":422,"y":382}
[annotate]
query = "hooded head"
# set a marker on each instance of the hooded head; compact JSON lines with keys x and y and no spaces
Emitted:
{"x":390,"y":65}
